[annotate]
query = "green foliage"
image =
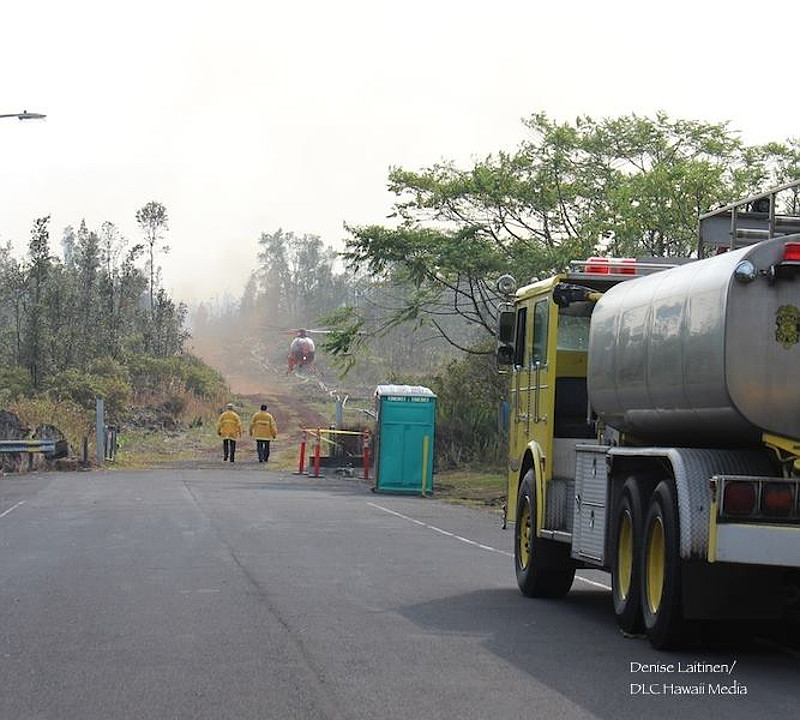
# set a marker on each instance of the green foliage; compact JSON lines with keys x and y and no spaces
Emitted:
{"x":170,"y":376}
{"x":37,"y":332}
{"x":143,"y":376}
{"x":154,"y":375}
{"x":56,"y":316}
{"x":15,"y":383}
{"x":469,"y":392}
{"x":296,"y":279}
{"x":627,"y":186}
{"x":343,"y":342}
{"x":201,"y":380}
{"x":153,"y":222}
{"x":174,"y":405}
{"x":74,"y":421}
{"x":76,"y":386}
{"x":82,"y":388}
{"x":108,"y":367}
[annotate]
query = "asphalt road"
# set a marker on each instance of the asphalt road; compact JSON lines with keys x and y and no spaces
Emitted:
{"x":242,"y":593}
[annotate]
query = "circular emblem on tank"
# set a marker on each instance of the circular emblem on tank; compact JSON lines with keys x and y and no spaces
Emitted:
{"x":787,"y":325}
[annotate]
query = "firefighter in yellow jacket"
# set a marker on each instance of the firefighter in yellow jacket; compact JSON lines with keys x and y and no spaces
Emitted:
{"x":263,"y":429}
{"x":229,"y":427}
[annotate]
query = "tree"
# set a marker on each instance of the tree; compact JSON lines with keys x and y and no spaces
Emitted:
{"x":273,"y":271}
{"x":68,"y":241}
{"x":74,"y":328}
{"x":87,"y":263}
{"x":167,"y":326}
{"x":12,"y":304}
{"x":297,"y":277}
{"x":153,"y":221}
{"x":37,"y":330}
{"x":111,"y":246}
{"x":629,"y":186}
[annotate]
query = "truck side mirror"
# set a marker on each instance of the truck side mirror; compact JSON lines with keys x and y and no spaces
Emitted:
{"x":505,"y":327}
{"x":505,"y":355}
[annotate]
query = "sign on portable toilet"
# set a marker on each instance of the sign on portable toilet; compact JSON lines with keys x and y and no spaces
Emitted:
{"x":406,"y":415}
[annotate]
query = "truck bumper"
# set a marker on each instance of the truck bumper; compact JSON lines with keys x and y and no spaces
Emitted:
{"x":754,"y":544}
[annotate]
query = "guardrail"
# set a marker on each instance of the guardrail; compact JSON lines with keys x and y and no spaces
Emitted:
{"x":53,"y":448}
{"x":28,"y":446}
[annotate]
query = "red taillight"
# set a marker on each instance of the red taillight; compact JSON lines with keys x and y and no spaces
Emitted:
{"x":740,"y":498}
{"x":791,"y":252}
{"x":777,"y":499}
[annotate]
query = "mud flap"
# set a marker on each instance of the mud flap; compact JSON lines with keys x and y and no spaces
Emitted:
{"x":728,"y":591}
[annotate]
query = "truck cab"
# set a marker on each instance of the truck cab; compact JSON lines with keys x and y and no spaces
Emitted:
{"x":548,"y":359}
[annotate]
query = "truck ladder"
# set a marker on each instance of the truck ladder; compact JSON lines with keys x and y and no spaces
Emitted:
{"x":748,"y":221}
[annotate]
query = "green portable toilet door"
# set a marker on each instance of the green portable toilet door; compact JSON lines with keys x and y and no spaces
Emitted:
{"x":401,"y":456}
{"x":391,"y":456}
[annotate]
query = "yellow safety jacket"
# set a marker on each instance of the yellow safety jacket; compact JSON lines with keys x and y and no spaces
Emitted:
{"x":262,"y":426}
{"x":229,"y":426}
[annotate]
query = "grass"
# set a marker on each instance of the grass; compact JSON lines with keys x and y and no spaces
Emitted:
{"x":141,"y":448}
{"x":471,"y":487}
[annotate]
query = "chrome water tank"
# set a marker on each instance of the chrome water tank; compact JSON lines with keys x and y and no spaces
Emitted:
{"x":695,"y":356}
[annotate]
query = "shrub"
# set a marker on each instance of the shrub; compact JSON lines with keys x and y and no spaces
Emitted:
{"x":74,"y":421}
{"x":83,"y":388}
{"x":15,"y":383}
{"x":74,"y":385}
{"x":469,"y":393}
{"x":151,"y":375}
{"x":111,"y":369}
{"x":202,"y":380}
{"x":174,"y":405}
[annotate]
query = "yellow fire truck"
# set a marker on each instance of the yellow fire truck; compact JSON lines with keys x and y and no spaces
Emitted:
{"x":655,"y":425}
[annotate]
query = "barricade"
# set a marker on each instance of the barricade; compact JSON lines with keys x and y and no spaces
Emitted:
{"x":318,"y":436}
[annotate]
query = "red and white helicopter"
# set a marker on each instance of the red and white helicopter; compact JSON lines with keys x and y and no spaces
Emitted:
{"x":301,"y":351}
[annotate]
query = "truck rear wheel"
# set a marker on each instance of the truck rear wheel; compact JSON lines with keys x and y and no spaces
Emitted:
{"x":661,"y":571}
{"x":544,"y":567}
{"x":625,"y":569}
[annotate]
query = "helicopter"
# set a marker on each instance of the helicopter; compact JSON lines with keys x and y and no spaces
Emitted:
{"x":301,"y":352}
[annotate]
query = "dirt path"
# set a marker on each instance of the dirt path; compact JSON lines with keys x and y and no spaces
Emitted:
{"x":289,"y":398}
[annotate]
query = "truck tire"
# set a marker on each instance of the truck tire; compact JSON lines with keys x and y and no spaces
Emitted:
{"x":628,"y":531}
{"x":661,"y":571}
{"x":544,"y":567}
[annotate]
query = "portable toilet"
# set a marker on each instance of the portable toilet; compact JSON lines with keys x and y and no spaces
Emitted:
{"x":406,"y":415}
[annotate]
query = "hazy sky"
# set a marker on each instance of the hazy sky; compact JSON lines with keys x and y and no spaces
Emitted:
{"x":242,"y":117}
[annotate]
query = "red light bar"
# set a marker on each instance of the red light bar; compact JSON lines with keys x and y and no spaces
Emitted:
{"x":628,"y":266}
{"x":597,"y":265}
{"x":791,"y":252}
{"x":614,"y":266}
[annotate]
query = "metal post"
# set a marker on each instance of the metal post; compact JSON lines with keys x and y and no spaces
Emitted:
{"x":100,"y":430}
{"x":425,"y":444}
{"x":316,"y":454}
{"x":772,"y":199}
{"x":339,"y":413}
{"x":366,"y":454}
